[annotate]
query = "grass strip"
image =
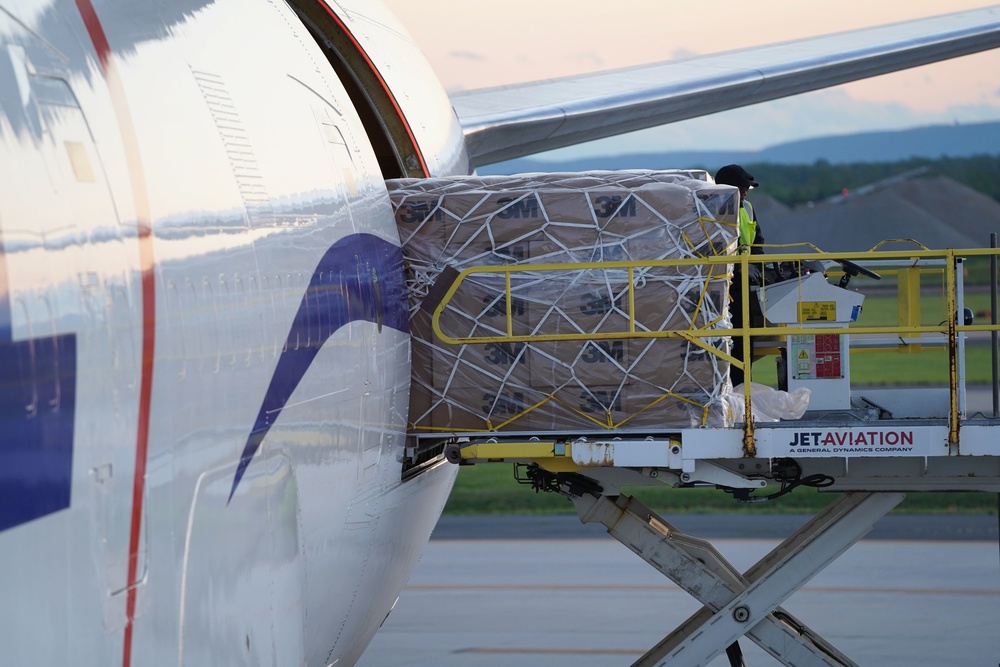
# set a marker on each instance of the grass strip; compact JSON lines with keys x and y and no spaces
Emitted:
{"x":491,"y":489}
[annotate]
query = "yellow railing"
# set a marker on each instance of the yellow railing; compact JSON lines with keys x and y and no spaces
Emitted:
{"x":718,"y":267}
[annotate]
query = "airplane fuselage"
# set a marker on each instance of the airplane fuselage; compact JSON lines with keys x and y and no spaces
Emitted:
{"x":204,"y":350}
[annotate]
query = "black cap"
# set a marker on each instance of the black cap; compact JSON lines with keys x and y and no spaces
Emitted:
{"x":734,"y":174}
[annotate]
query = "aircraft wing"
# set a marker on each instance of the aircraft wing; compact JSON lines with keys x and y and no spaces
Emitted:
{"x":511,"y":121}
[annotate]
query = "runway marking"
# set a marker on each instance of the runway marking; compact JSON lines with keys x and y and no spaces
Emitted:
{"x":554,"y":651}
{"x":930,"y":591}
{"x":662,"y":587}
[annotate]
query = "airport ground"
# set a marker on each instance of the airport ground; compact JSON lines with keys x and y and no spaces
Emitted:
{"x":979,"y":399}
{"x":527,"y":591}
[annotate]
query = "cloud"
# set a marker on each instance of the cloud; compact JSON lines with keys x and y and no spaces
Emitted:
{"x":468,"y":55}
{"x":681,"y":54}
{"x":588,"y":59}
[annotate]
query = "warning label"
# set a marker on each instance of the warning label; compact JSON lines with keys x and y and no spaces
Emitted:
{"x":828,"y":356}
{"x":817,"y":311}
{"x":816,"y":357}
{"x":803,"y":364}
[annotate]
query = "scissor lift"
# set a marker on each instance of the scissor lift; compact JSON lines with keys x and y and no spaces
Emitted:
{"x":872,"y":446}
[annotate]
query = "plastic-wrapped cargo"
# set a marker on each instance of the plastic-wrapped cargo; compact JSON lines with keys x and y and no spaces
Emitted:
{"x":624,"y":384}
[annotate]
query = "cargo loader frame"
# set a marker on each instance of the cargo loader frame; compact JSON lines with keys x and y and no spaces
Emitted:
{"x":591,"y":474}
{"x":737,"y":605}
{"x":903,"y":445}
{"x":909,"y":335}
{"x":872,"y":453}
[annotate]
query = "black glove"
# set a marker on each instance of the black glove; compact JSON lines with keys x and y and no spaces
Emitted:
{"x":753,"y":274}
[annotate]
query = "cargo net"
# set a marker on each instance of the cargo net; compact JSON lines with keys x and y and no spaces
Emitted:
{"x":615,"y":382}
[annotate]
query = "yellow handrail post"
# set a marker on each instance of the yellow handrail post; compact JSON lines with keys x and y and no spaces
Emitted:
{"x":749,"y":445}
{"x":908,"y":296}
{"x":952,"y":314}
{"x":631,"y":299}
{"x":509,"y":300}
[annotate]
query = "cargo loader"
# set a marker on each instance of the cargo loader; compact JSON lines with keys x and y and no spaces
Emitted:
{"x":577,"y":326}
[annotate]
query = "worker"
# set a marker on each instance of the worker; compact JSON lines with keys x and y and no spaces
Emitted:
{"x":750,"y":239}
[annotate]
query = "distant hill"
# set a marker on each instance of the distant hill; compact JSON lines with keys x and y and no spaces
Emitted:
{"x":930,"y":142}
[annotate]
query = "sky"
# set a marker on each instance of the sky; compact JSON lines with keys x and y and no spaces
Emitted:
{"x":482,"y":43}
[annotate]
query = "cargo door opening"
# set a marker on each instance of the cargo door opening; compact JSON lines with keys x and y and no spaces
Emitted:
{"x":387,"y":132}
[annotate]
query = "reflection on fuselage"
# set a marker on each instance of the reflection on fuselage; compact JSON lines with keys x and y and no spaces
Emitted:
{"x":220,"y":127}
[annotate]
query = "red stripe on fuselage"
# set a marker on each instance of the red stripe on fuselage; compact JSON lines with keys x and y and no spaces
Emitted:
{"x":385,"y":86}
{"x":147,"y":264}
{"x":96,"y":31}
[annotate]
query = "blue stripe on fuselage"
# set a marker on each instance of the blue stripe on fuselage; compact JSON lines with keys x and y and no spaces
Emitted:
{"x":360,"y":278}
{"x":37,"y":406}
{"x":4,"y":298}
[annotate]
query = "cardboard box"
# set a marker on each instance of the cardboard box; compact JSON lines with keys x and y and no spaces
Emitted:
{"x":577,"y":409}
{"x":576,"y":386}
{"x":475,"y":409}
{"x":478,"y":308}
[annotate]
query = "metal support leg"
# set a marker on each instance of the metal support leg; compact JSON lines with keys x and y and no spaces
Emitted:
{"x":738,"y":604}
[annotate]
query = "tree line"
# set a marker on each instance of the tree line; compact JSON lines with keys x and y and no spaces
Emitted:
{"x":800,"y":184}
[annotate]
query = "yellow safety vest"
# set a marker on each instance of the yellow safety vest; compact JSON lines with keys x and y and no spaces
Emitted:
{"x":748,"y":226}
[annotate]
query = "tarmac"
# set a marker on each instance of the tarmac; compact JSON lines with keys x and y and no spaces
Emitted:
{"x":933,"y":527}
{"x":526,"y":591}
